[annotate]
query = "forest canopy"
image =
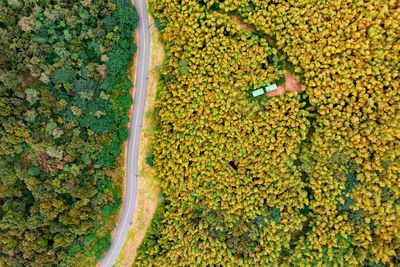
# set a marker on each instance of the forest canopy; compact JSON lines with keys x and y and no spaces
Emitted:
{"x":301,"y":179}
{"x":64,"y":98}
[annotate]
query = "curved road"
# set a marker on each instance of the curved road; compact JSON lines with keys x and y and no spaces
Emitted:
{"x":132,"y":170}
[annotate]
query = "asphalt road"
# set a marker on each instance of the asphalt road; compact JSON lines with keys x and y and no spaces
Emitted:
{"x":132,"y":170}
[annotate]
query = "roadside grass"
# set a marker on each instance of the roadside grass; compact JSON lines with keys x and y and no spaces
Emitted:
{"x":117,"y":178}
{"x":148,"y":195}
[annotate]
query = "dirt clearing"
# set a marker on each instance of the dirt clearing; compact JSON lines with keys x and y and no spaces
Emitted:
{"x":243,"y":25}
{"x":292,"y":84}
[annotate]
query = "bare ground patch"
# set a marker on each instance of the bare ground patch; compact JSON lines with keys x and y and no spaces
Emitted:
{"x":243,"y":25}
{"x":292,"y":84}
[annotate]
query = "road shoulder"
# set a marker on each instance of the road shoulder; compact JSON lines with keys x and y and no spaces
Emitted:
{"x":148,"y":188}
